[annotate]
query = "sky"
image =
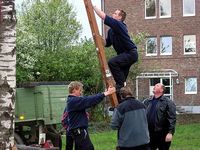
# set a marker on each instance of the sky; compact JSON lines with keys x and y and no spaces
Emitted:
{"x":79,"y":8}
{"x":82,"y":16}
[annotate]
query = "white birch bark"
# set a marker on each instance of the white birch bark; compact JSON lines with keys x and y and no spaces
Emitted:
{"x":7,"y":73}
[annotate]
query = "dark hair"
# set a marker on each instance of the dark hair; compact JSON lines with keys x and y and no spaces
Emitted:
{"x":126,"y":92}
{"x":122,"y":14}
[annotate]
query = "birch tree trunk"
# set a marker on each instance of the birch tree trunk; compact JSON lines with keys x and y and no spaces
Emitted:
{"x":7,"y":72}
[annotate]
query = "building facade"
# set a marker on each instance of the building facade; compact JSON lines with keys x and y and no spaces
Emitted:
{"x":171,"y":52}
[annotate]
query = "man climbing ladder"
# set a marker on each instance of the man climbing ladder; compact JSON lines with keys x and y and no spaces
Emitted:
{"x":107,"y":77}
{"x":120,"y":40}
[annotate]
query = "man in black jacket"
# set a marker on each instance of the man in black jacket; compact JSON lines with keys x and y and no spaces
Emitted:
{"x":161,"y":115}
{"x":77,"y":117}
{"x":129,"y":118}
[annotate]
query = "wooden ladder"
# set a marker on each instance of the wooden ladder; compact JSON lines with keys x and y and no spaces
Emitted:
{"x":107,"y":76}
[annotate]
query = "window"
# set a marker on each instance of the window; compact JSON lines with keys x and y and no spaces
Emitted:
{"x":189,"y":44}
{"x":150,"y":7}
{"x":168,"y":86}
{"x":151,"y":46}
{"x":166,"y":45}
{"x":188,"y":7}
{"x":165,"y":8}
{"x":191,"y":86}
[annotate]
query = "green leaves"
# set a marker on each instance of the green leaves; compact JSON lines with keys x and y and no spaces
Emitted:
{"x":52,"y":24}
{"x":45,"y":30}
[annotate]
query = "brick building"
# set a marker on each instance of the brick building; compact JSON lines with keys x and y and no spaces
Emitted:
{"x":171,"y":53}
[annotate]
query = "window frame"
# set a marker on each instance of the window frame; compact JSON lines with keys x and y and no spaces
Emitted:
{"x":191,"y":92}
{"x":195,"y":40}
{"x":187,"y":15}
{"x":168,"y":16}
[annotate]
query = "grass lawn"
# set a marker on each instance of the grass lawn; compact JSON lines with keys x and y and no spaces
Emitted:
{"x":187,"y":137}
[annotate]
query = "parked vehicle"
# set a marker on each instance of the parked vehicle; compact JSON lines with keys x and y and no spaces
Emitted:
{"x":38,"y":111}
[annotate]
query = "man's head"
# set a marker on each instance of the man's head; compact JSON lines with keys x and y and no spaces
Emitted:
{"x":159,"y":89}
{"x":75,"y":88}
{"x":119,"y":15}
{"x":126,"y":92}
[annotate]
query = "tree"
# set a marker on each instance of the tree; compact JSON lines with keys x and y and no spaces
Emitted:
{"x":139,"y":39}
{"x":7,"y":73}
{"x":46,"y":26}
{"x":79,"y":62}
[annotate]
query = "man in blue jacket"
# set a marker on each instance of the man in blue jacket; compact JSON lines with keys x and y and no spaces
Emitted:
{"x":129,"y":118}
{"x":76,"y":108}
{"x":119,"y":38}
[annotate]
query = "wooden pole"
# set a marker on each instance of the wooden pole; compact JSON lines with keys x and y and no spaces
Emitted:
{"x":107,"y":76}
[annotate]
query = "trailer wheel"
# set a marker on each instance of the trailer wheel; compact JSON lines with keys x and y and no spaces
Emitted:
{"x":18,"y":139}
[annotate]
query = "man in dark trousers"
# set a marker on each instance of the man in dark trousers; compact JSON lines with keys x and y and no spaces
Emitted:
{"x":78,"y":119}
{"x":129,"y":118}
{"x":161,"y":115}
{"x":119,"y":38}
{"x":69,"y":138}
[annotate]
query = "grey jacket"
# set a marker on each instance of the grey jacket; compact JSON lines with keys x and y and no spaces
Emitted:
{"x":129,"y":118}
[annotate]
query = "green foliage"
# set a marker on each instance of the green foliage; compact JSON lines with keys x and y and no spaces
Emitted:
{"x":139,"y":39}
{"x":51,"y":24}
{"x":99,"y":112}
{"x":85,"y":67}
{"x":47,"y":31}
{"x":43,"y":29}
{"x":76,"y":63}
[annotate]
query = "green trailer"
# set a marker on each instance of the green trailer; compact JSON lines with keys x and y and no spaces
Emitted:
{"x":38,"y":111}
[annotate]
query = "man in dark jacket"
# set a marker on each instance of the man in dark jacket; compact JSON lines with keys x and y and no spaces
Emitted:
{"x":76,"y":108}
{"x":119,"y":38}
{"x":129,"y":118}
{"x":161,"y":115}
